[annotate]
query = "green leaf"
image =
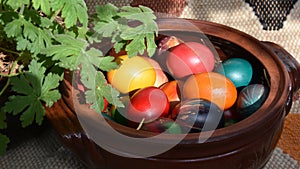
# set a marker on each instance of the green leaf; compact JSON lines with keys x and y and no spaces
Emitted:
{"x":67,"y":52}
{"x":28,"y":36}
{"x":14,"y":28}
{"x":34,"y":111}
{"x":4,"y":140}
{"x":15,"y":4}
{"x":117,"y":25}
{"x":141,"y":36}
{"x":44,"y":5}
{"x":107,"y":29}
{"x":107,"y":12}
{"x":119,"y":45}
{"x":30,"y":31}
{"x":138,"y":44}
{"x":33,"y":88}
{"x":102,"y":90}
{"x":72,"y":11}
{"x":49,"y":94}
{"x":151,"y":45}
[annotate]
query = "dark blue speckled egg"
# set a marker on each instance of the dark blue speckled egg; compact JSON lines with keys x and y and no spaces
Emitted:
{"x":197,"y":115}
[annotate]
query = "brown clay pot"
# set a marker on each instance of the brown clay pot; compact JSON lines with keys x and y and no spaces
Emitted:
{"x":247,"y":144}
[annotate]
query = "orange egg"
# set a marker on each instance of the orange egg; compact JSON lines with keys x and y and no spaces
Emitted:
{"x":211,"y":86}
{"x":171,"y":90}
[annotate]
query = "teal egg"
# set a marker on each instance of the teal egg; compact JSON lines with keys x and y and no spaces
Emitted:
{"x":238,"y":70}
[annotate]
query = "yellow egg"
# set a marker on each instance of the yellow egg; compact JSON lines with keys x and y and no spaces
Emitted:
{"x":134,"y":73}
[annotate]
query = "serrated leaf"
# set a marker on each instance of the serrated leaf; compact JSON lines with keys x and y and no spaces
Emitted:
{"x":22,"y":88}
{"x":30,"y":31}
{"x":34,"y":111}
{"x":107,"y":29}
{"x":21,"y":101}
{"x":14,"y":28}
{"x":107,"y":63}
{"x":44,"y":5}
{"x":4,"y":140}
{"x":102,"y":90}
{"x":45,"y":22}
{"x":137,"y":45}
{"x":15,"y":4}
{"x":72,"y":11}
{"x":28,"y":36}
{"x":49,"y":94}
{"x":51,"y":97}
{"x":141,"y":13}
{"x":96,"y":58}
{"x":107,"y":12}
{"x":67,"y":52}
{"x":22,"y":44}
{"x":151,"y":45}
{"x":33,"y":88}
{"x":118,"y":46}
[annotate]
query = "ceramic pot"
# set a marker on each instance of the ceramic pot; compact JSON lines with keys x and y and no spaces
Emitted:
{"x":247,"y":144}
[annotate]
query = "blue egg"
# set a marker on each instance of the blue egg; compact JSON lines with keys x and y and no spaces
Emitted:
{"x":238,"y":70}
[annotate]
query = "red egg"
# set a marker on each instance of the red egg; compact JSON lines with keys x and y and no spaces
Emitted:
{"x":147,"y":104}
{"x":189,"y":58}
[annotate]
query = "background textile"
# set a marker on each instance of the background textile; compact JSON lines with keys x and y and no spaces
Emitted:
{"x":277,"y":21}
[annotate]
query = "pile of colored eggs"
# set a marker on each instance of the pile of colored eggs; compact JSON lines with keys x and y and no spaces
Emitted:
{"x":184,"y":89}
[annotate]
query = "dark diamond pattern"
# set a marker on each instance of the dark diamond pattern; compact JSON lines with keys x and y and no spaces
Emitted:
{"x":272,"y":13}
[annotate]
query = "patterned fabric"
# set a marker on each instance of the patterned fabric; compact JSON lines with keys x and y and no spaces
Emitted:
{"x":272,"y":13}
{"x":267,"y":20}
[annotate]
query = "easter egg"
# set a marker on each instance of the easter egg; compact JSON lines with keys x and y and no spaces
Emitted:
{"x":118,"y":115}
{"x":171,"y":90}
{"x":251,"y":98}
{"x":147,"y":104}
{"x":238,"y":70}
{"x":211,"y":86}
{"x":133,"y":73}
{"x":189,"y":58}
{"x":198,"y":115}
{"x":162,"y":125}
{"x":161,"y":77}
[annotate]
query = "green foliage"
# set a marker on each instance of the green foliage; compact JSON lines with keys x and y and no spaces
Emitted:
{"x":71,"y":11}
{"x":34,"y":89}
{"x":52,"y":35}
{"x":135,"y":25}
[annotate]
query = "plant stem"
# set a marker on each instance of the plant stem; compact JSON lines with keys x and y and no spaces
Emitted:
{"x":22,"y":10}
{"x":5,"y":87}
{"x":9,"y":75}
{"x":53,"y":17}
{"x":9,"y":51}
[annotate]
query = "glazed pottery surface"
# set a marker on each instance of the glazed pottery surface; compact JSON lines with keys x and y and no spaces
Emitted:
{"x":247,"y":144}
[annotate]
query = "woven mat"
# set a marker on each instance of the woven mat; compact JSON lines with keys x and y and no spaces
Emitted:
{"x":45,"y":151}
